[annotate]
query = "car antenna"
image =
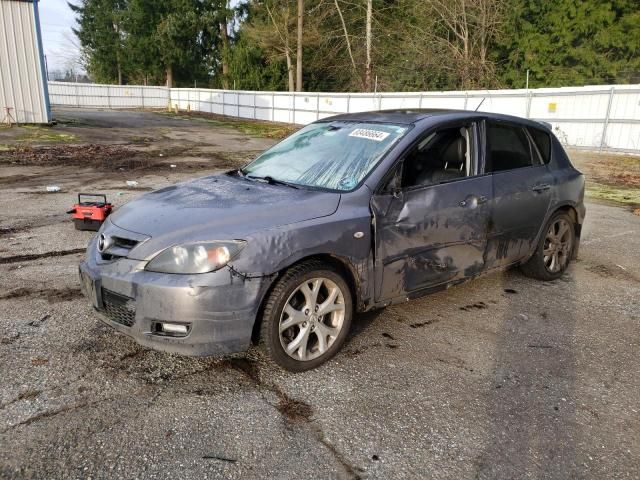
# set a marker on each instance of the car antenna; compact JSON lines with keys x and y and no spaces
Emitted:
{"x":483,"y":99}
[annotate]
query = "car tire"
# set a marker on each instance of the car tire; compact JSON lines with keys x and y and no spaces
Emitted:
{"x":293,"y":324}
{"x":554,"y":250}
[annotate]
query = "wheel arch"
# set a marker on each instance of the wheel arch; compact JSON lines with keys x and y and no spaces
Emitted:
{"x":572,"y":211}
{"x":344,"y":267}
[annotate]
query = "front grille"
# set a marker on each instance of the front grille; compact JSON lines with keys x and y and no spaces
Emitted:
{"x":126,"y":243}
{"x":119,"y":308}
{"x":120,"y":247}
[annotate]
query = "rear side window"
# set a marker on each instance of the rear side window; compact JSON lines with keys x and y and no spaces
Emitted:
{"x":543,"y":142}
{"x":507,"y":147}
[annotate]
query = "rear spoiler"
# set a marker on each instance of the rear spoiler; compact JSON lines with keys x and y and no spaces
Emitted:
{"x":547,"y":125}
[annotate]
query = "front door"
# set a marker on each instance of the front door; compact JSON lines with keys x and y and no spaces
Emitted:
{"x":432,"y":229}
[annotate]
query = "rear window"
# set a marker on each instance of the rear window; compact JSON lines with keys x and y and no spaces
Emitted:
{"x":543,"y":142}
{"x":507,"y":148}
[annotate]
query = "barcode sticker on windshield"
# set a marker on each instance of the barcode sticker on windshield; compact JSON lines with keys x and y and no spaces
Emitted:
{"x":376,"y":135}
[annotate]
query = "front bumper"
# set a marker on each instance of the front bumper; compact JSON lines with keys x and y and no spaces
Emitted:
{"x":219,"y":308}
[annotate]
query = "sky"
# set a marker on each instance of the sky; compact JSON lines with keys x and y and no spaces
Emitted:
{"x":59,"y":42}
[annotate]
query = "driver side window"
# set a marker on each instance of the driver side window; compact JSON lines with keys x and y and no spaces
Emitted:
{"x":440,"y":157}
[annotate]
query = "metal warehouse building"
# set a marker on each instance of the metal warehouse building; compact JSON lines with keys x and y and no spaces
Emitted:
{"x":23,"y":88}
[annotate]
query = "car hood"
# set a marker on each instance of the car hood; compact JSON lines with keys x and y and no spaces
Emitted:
{"x":219,"y":207}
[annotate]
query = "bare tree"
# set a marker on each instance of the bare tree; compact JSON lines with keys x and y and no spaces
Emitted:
{"x":299,"y":49}
{"x":224,"y":37}
{"x":281,"y":27}
{"x":71,"y":56}
{"x":467,"y":30}
{"x":367,"y":68}
{"x":346,"y":37}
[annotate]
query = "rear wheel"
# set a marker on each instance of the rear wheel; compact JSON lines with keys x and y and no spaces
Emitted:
{"x":306,"y":317}
{"x":554,"y":249}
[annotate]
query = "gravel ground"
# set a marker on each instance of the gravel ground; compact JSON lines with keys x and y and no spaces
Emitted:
{"x":503,"y":377}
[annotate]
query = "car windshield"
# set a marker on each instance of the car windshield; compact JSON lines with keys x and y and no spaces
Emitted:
{"x":329,"y":155}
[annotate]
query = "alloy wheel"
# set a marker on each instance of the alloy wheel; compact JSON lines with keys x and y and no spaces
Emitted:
{"x":312,"y":319}
{"x":557,"y":246}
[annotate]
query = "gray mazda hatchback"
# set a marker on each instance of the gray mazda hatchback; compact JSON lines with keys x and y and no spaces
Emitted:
{"x":349,"y":214}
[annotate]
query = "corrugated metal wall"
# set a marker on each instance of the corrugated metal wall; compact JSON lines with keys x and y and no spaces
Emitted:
{"x":22,"y":84}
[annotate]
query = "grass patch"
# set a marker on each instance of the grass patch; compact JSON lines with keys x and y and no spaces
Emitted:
{"x":253,"y":128}
{"x":256,"y":129}
{"x":610,"y":177}
{"x":618,"y":194}
{"x":35,"y":134}
{"x":615,"y":170}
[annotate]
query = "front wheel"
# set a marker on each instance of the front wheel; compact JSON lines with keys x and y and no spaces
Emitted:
{"x":306,"y":317}
{"x":554,"y":249}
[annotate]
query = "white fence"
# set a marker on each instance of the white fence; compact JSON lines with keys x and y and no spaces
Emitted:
{"x":593,"y":117}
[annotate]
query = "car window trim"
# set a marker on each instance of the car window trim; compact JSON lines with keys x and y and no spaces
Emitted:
{"x":516,"y":169}
{"x":535,"y":144}
{"x":399,"y":163}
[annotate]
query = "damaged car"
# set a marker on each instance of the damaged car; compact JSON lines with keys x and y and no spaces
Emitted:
{"x":349,"y":214}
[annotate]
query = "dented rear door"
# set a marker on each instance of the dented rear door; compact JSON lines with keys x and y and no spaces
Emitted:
{"x":430,"y":236}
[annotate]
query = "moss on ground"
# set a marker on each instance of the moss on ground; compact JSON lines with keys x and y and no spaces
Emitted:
{"x":36,"y":134}
{"x":28,"y":134}
{"x":618,"y":194}
{"x":254,"y":128}
{"x":611,"y":177}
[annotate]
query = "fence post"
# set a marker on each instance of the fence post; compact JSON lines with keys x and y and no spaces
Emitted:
{"x":466,"y":99}
{"x":77,"y":95}
{"x":317,"y":106}
{"x":254,"y":105}
{"x":293,"y":95}
{"x":348,"y":103}
{"x":142,"y":96}
{"x":606,"y":120}
{"x":529,"y":98}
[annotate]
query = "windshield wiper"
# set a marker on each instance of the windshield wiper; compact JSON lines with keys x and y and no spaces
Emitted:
{"x":272,"y":181}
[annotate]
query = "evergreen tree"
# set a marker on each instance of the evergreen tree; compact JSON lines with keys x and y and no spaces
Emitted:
{"x":102,"y":38}
{"x":354,"y":45}
{"x":570,"y":43}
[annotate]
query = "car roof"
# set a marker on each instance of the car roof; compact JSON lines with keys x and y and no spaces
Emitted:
{"x":417,"y":115}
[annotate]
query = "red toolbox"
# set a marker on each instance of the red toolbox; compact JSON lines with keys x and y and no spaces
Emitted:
{"x":89,"y":214}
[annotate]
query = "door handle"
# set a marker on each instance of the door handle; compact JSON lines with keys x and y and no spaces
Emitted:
{"x":541,"y":187}
{"x":472,"y":201}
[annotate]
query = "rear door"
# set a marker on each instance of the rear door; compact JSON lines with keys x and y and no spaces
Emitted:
{"x":431,"y":219}
{"x":521,"y":192}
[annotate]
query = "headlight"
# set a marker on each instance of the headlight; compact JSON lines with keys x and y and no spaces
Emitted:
{"x":195,"y":257}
